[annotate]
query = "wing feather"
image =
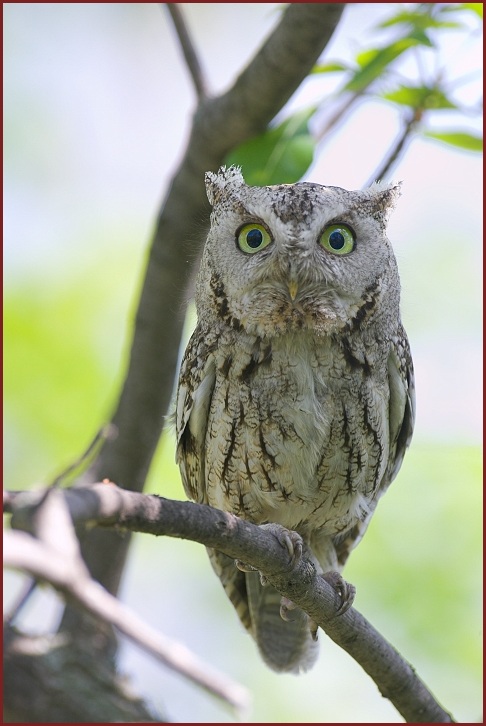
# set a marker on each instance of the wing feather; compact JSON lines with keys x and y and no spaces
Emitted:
{"x":195,"y":389}
{"x":401,"y":420}
{"x":402,"y":403}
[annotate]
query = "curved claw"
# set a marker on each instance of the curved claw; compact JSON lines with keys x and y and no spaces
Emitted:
{"x":289,"y":539}
{"x":286,"y":607}
{"x":345,"y":590}
{"x":244,"y":567}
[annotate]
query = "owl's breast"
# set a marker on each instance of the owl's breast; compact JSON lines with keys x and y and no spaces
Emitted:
{"x":285,"y":441}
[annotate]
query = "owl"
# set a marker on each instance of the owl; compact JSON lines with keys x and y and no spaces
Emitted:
{"x":295,"y":401}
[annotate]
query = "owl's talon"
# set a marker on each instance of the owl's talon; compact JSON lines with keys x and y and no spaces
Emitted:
{"x":286,"y":606}
{"x":345,"y":590}
{"x":244,"y":567}
{"x":289,"y":539}
{"x":313,"y":626}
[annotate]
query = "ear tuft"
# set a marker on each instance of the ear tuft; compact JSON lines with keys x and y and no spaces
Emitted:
{"x":382,"y":198}
{"x":216,"y":184}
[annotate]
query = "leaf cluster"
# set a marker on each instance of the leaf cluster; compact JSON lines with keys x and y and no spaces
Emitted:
{"x":284,"y":152}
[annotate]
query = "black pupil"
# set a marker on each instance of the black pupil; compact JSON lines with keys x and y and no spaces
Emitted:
{"x":254,"y":238}
{"x":336,"y":240}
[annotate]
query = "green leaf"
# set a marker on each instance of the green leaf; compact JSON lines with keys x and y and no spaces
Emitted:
{"x":367,"y":56}
{"x":281,"y":155}
{"x":420,"y":97}
{"x":330,"y":68}
{"x":421,"y":37}
{"x":418,"y":21}
{"x":373,"y":62}
{"x":460,"y":139}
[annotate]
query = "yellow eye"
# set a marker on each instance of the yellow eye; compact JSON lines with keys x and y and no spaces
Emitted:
{"x":338,"y":239}
{"x":253,"y":238}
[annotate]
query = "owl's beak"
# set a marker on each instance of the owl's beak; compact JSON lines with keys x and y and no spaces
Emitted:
{"x":293,"y":288}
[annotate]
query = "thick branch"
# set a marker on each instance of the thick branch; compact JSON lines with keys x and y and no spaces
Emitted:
{"x":108,"y":505}
{"x":58,"y":679}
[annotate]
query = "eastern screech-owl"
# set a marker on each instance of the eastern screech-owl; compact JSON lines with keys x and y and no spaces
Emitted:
{"x":295,"y":401}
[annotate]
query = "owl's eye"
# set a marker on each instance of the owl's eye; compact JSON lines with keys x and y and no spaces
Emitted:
{"x":253,"y":238}
{"x":338,"y":239}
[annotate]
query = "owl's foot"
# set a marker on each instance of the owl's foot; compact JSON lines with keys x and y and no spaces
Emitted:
{"x":286,"y":607}
{"x":244,"y":567}
{"x":249,"y":568}
{"x":289,"y":539}
{"x":345,"y":590}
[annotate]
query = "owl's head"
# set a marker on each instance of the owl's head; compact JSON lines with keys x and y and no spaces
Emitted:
{"x":296,"y":257}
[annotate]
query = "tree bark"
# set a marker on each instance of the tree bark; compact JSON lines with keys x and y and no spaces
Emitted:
{"x":60,"y":680}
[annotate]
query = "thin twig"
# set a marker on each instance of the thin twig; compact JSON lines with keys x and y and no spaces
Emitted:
{"x":188,"y":49}
{"x":322,"y":133}
{"x":106,"y":432}
{"x":397,"y":148}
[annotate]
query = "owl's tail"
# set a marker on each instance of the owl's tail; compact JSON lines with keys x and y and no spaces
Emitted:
{"x":284,"y":645}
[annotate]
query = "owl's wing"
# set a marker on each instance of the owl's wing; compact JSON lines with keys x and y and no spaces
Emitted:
{"x":196,"y":384}
{"x":401,"y":416}
{"x":402,"y":403}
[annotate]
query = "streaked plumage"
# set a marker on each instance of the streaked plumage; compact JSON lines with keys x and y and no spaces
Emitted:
{"x":295,"y":401}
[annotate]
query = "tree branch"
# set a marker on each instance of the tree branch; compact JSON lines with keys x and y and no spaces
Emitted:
{"x":59,"y":679}
{"x":108,"y":505}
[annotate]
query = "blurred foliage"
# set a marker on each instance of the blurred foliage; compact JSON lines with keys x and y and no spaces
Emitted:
{"x":423,"y":554}
{"x":63,"y":363}
{"x":280,"y":156}
{"x":283,"y":153}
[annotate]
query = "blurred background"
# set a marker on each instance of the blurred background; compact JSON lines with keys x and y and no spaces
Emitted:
{"x":97,"y":108}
